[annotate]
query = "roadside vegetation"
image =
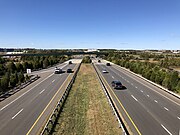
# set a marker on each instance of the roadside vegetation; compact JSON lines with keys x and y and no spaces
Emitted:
{"x":159,"y":72}
{"x":12,"y":69}
{"x":86,"y":110}
{"x":86,"y":59}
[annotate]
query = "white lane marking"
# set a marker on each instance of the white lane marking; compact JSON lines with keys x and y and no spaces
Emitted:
{"x":25,"y":93}
{"x":53,"y":81}
{"x":136,"y":87}
{"x":147,"y":85}
{"x":166,"y":109}
{"x":17,"y":113}
{"x":42,"y":91}
{"x":134,"y":97}
{"x":166,"y":129}
{"x":178,"y":118}
{"x":156,"y":101}
{"x":127,"y":81}
{"x":142,"y":91}
{"x":147,"y":95}
{"x":113,"y":77}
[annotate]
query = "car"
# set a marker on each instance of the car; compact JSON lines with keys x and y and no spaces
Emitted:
{"x":99,"y":61}
{"x":116,"y":84}
{"x":69,"y":70}
{"x":108,"y":64}
{"x":104,"y":71}
{"x":58,"y":71}
{"x":70,"y":62}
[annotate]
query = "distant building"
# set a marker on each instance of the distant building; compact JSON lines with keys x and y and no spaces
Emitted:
{"x":92,"y":50}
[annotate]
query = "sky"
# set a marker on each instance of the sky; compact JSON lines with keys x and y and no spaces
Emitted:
{"x":66,"y":24}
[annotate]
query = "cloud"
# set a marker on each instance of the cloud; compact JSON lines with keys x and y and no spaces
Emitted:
{"x":123,"y":43}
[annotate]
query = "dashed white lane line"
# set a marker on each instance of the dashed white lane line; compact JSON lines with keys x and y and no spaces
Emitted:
{"x":156,"y":101}
{"x":134,"y":97}
{"x":42,"y":91}
{"x":166,"y":129}
{"x":53,"y":81}
{"x":25,"y":93}
{"x":166,"y":109}
{"x":142,"y":91}
{"x":147,"y":95}
{"x":136,"y":87}
{"x":17,"y":113}
{"x":113,"y":77}
{"x":178,"y":118}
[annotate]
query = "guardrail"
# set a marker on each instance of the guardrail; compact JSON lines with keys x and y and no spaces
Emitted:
{"x":121,"y":124}
{"x":18,"y":88}
{"x":57,"y":110}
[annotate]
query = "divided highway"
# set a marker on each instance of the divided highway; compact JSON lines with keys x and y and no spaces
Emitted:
{"x":26,"y":111}
{"x":147,"y":109}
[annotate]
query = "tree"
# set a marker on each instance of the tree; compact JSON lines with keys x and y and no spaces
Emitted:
{"x":2,"y":70}
{"x":21,"y":77}
{"x":13,"y":80}
{"x":178,"y":87}
{"x":19,"y":67}
{"x":25,"y":65}
{"x":166,"y":82}
{"x":4,"y":83}
{"x":86,"y":59}
{"x":174,"y":78}
{"x":11,"y":67}
{"x":45,"y":63}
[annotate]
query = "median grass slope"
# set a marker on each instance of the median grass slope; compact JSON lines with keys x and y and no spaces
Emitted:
{"x":86,"y":110}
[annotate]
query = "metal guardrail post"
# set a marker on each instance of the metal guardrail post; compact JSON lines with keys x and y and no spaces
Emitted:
{"x":60,"y":103}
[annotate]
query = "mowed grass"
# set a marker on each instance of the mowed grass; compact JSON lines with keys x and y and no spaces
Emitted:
{"x":87,"y":111}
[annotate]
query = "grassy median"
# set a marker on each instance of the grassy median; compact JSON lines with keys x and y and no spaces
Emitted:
{"x":86,"y":110}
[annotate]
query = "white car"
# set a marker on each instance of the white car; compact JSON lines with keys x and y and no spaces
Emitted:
{"x":104,"y":71}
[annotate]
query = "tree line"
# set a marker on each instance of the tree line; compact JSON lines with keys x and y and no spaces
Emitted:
{"x":154,"y":72}
{"x":12,"y":71}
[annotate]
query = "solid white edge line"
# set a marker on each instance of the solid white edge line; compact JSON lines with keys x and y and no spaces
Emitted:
{"x":134,"y":97}
{"x":166,"y":109}
{"x":24,"y":93}
{"x":166,"y":129}
{"x":42,"y":91}
{"x":17,"y":113}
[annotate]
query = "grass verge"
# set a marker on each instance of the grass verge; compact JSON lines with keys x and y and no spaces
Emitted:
{"x":86,"y":110}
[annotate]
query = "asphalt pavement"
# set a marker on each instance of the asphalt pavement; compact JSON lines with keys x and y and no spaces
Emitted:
{"x":147,"y":109}
{"x":26,"y":111}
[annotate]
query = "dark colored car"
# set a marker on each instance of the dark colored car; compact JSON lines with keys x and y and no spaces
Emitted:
{"x":99,"y":61}
{"x":108,"y":64}
{"x":70,"y":62}
{"x":116,"y":84}
{"x":69,"y":70}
